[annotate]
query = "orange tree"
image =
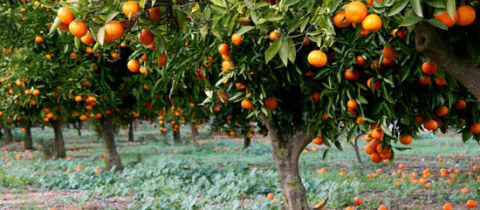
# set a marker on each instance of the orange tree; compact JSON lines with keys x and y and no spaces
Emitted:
{"x":341,"y":66}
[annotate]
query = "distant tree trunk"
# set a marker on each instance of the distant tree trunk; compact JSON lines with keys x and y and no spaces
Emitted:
{"x":79,"y":128}
{"x":286,"y":152}
{"x":8,"y":135}
{"x":246,"y":142}
{"x":355,"y":147}
{"x":43,"y":127}
{"x":28,"y":136}
{"x":112,"y":159}
{"x":194,"y":132}
{"x":177,"y":139}
{"x":58,"y":143}
{"x":68,"y":125}
{"x":130,"y":131}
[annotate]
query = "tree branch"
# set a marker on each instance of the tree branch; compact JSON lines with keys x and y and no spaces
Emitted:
{"x":429,"y":42}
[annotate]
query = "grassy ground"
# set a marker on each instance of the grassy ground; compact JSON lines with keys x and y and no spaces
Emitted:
{"x":199,"y":177}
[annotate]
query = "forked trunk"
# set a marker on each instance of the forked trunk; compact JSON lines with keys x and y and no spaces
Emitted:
{"x":286,"y":152}
{"x":355,"y":147}
{"x":130,"y":131}
{"x":177,"y":139}
{"x":8,"y":136}
{"x":246,"y":142}
{"x":112,"y":159}
{"x":58,"y":143}
{"x":194,"y":133}
{"x":28,"y":136}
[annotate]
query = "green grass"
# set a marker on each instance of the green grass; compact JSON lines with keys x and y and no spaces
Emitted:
{"x":200,"y":178}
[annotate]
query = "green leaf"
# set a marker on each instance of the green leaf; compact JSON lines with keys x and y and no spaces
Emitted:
{"x":101,"y":35}
{"x":273,"y":17}
{"x":351,"y":133}
{"x":325,"y":153}
{"x":55,"y":25}
{"x":244,"y":29}
{"x":290,"y":2}
{"x":338,"y":145}
{"x":466,"y":136}
{"x":417,"y":7}
{"x":436,"y":3}
{"x":292,"y":53}
{"x":284,"y":52}
{"x":437,"y":23}
{"x":411,"y":20}
{"x":451,"y":8}
{"x":204,"y":30}
{"x":77,"y":43}
{"x":111,"y":16}
{"x":397,"y":7}
{"x":273,"y":50}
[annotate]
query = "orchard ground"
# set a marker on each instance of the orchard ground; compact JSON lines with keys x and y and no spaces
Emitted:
{"x":215,"y":175}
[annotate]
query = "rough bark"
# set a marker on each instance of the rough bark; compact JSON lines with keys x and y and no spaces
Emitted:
{"x":246,"y":142}
{"x":177,"y":139}
{"x":8,"y":136}
{"x":194,"y":133}
{"x":58,"y":143}
{"x":429,"y":42}
{"x":286,"y":152}
{"x":28,"y":142}
{"x":130,"y":131}
{"x":112,"y":159}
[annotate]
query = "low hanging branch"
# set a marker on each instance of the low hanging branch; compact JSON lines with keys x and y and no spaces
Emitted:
{"x":429,"y":42}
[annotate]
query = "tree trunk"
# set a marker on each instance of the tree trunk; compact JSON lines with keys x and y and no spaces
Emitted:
{"x":8,"y":136}
{"x":68,"y":125}
{"x":28,"y":136}
{"x":130,"y":131}
{"x":194,"y":133}
{"x":177,"y":139}
{"x":429,"y":42}
{"x":246,"y":142}
{"x":164,"y":138}
{"x":79,"y":128}
{"x":355,"y":147}
{"x":112,"y":159}
{"x":286,"y":153}
{"x":58,"y":143}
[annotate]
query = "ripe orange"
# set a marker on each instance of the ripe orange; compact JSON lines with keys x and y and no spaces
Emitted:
{"x":460,"y":104}
{"x":130,"y":9}
{"x":402,"y":34}
{"x":227,"y":65}
{"x":318,"y":140}
{"x":351,"y":76}
{"x":78,"y":28}
{"x":340,"y":20}
{"x":372,"y":23}
{"x":389,"y":53}
{"x":237,"y":39}
{"x":447,"y":206}
{"x":431,"y":125}
{"x":317,"y":58}
{"x":429,"y":67}
{"x":375,"y":158}
{"x":143,"y":70}
{"x":440,"y":81}
{"x":352,"y":104}
{"x":224,"y":49}
{"x":113,"y":31}
{"x":424,"y":80}
{"x":163,"y":60}
{"x":133,"y":65}
{"x":382,"y":207}
{"x":358,"y":201}
{"x":356,"y":12}
{"x":247,"y":104}
{"x":386,"y":154}
{"x":441,"y":111}
{"x":475,"y":128}
{"x":154,"y":14}
{"x":360,"y":60}
{"x":83,"y":117}
{"x":406,"y":139}
{"x":38,"y":39}
{"x":270,"y":196}
{"x":87,"y":39}
{"x":466,"y":15}
{"x":377,"y":133}
{"x":36,"y":92}
{"x":445,"y":18}
{"x":273,"y":36}
{"x":376,"y":84}
{"x":270,"y":103}
{"x":19,"y":83}
{"x":145,"y":37}
{"x":65,"y":16}
{"x":471,"y":204}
